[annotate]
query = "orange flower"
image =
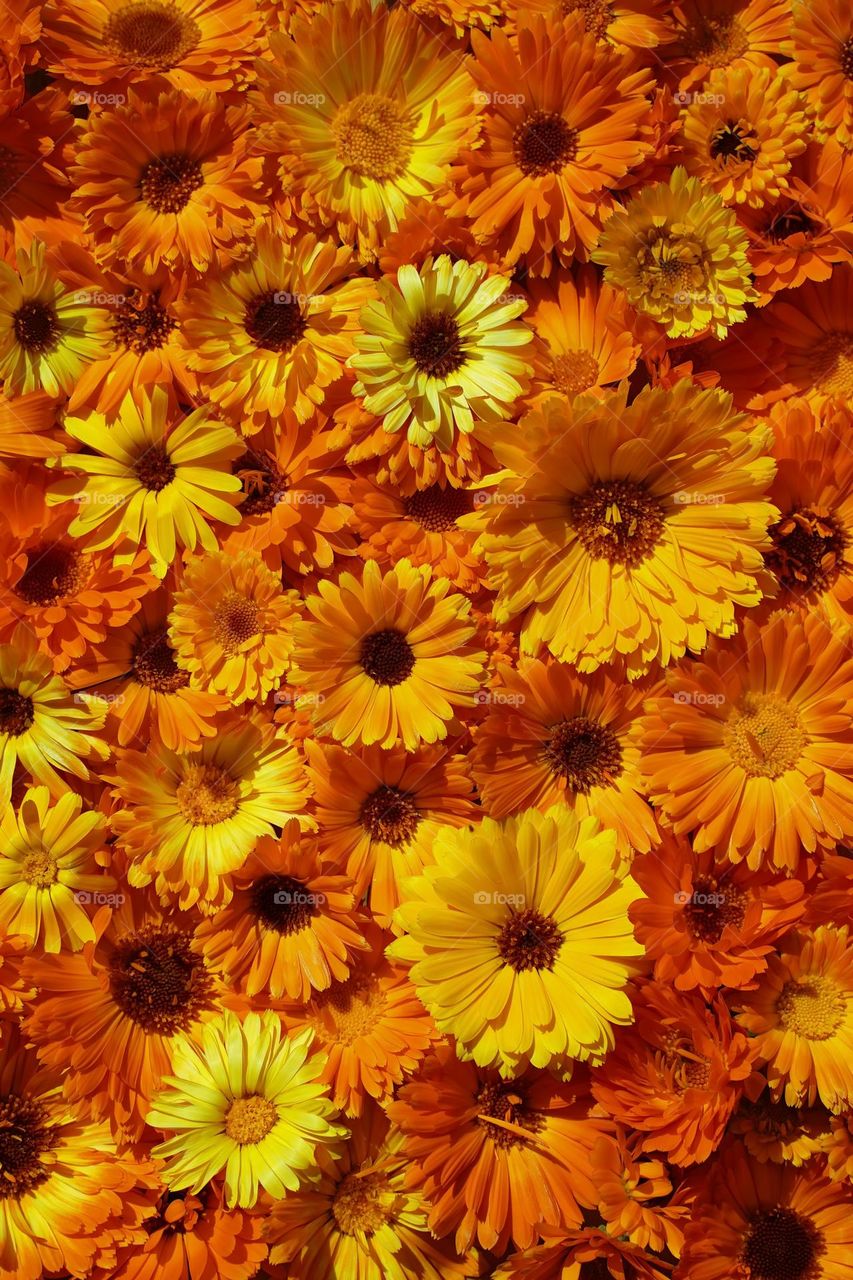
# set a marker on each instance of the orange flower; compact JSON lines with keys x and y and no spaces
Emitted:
{"x":707,"y":34}
{"x":822,"y":48}
{"x":636,"y":1197}
{"x":574,"y":1255}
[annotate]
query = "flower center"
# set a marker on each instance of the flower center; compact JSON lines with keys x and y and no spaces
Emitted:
{"x":390,"y":815}
{"x":736,"y":140}
{"x":505,"y":1102}
{"x":359,"y":1206}
{"x":764,"y":736}
{"x":617,"y":520}
{"x":597,"y":15}
{"x":154,"y":664}
{"x":16,"y":712}
{"x":386,"y":657}
{"x":36,"y":327}
{"x":348,"y":1009}
{"x":671,"y":264}
{"x":10,"y":169}
{"x":141,"y":324}
{"x":529,"y":940}
{"x":39,"y":869}
{"x":54,"y":572}
{"x":811,"y":1006}
{"x":436,"y":509}
{"x":574,"y":372}
{"x":262,"y":483}
{"x":157,"y":980}
{"x":283,"y":904}
{"x":711,"y":909}
{"x":207,"y":795}
{"x":435,"y":344}
{"x":373,"y":136}
{"x":846,"y":57}
{"x":238,"y":620}
{"x":544,"y":143}
{"x":24,"y":1138}
{"x":832,"y":362}
{"x":155,"y":469}
{"x":587,"y":754}
{"x":249,"y":1120}
{"x":717,"y":41}
{"x":274,"y":322}
{"x":808,"y":552}
{"x":790,"y":222}
{"x":148,"y":33}
{"x":167,"y":182}
{"x":781,"y":1245}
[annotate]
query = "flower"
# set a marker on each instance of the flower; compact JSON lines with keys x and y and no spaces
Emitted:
{"x":680,"y":256}
{"x":627,"y":530}
{"x":770,"y":1130}
{"x":519,"y":940}
{"x":439,"y":350}
{"x":387,"y":658}
{"x":822,"y":48}
{"x":574,"y":1255}
{"x":636,"y":1197}
{"x":263,"y":1115}
{"x":726,"y":33}
{"x":801,"y":1018}
{"x":148,"y":476}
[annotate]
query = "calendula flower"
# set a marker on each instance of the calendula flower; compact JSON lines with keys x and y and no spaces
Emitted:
{"x":822,"y":48}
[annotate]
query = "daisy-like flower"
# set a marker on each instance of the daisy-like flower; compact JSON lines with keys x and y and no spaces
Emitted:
{"x":368,"y":112}
{"x":291,"y":927}
{"x":771,"y":1130}
{"x":741,"y":134}
{"x":574,"y":1255}
{"x":378,"y":812}
{"x":387,"y":659}
{"x":361,"y":1221}
{"x":677,"y":1076}
{"x":627,"y":529}
{"x":706,"y":35}
{"x":188,"y":821}
{"x":168,"y":178}
{"x":553,"y":736}
{"x":66,"y":1191}
{"x":634,"y":24}
{"x":681,"y":257}
{"x":43,"y":726}
{"x":519,"y":940}
{"x":768,"y":1222}
{"x":636,"y":1197}
{"x":48,"y":331}
{"x":748,"y":750}
{"x":584,"y":331}
{"x":268,"y":336}
{"x":263,"y":1115}
{"x":231,"y":625}
{"x":372,"y":1028}
{"x":822,"y":48}
{"x":708,"y":923}
{"x":48,"y":865}
{"x":801,"y":1018}
{"x":563,"y":122}
{"x":497,"y":1159}
{"x":151,"y":478}
{"x":440,"y":350}
{"x":106,"y":1017}
{"x":190,"y":44}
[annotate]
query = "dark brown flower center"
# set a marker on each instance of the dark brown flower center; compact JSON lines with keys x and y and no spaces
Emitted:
{"x":390,"y":815}
{"x":283,"y":904}
{"x":54,"y":571}
{"x":544,"y":143}
{"x":506,"y":1102}
{"x":437,"y":509}
{"x":846,"y":57}
{"x":587,"y":754}
{"x":25,"y":1136}
{"x":790,"y":222}
{"x":262,"y":484}
{"x":167,"y":182}
{"x":274,"y":321}
{"x":142,"y":324}
{"x":711,"y":907}
{"x":16,"y":712}
{"x":148,"y":33}
{"x":529,"y":940}
{"x":808,"y":551}
{"x":782,"y":1245}
{"x":155,"y":469}
{"x":36,"y":327}
{"x":734,"y":140}
{"x":154,"y":664}
{"x":435,"y":344}
{"x":617,"y":520}
{"x":387,"y":657}
{"x":157,"y":980}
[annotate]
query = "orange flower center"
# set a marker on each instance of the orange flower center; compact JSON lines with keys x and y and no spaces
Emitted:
{"x":764,"y":735}
{"x":282,"y":904}
{"x":811,"y":1006}
{"x":154,"y":664}
{"x":832,"y":363}
{"x":735,"y":140}
{"x":587,"y":754}
{"x":207,"y":795}
{"x":155,"y":469}
{"x":506,"y":1102}
{"x":36,"y":327}
{"x":574,"y":372}
{"x":672,"y":266}
{"x":373,"y":136}
{"x":262,"y":483}
{"x":167,"y":182}
{"x":348,"y":1010}
{"x":544,"y":143}
{"x":597,"y":15}
{"x":148,"y":33}
{"x":39,"y":869}
{"x":359,"y":1203}
{"x":717,"y":41}
{"x":390,"y":815}
{"x":249,"y":1120}
{"x":790,"y":222}
{"x":435,"y":344}
{"x":141,"y":324}
{"x":274,"y":321}
{"x":238,"y":619}
{"x":617,"y":520}
{"x":157,"y":980}
{"x":25,"y":1137}
{"x":436,"y":509}
{"x":711,"y":909}
{"x":54,"y":572}
{"x":387,"y":657}
{"x":529,"y":940}
{"x":808,"y":552}
{"x":16,"y":712}
{"x":782,"y":1245}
